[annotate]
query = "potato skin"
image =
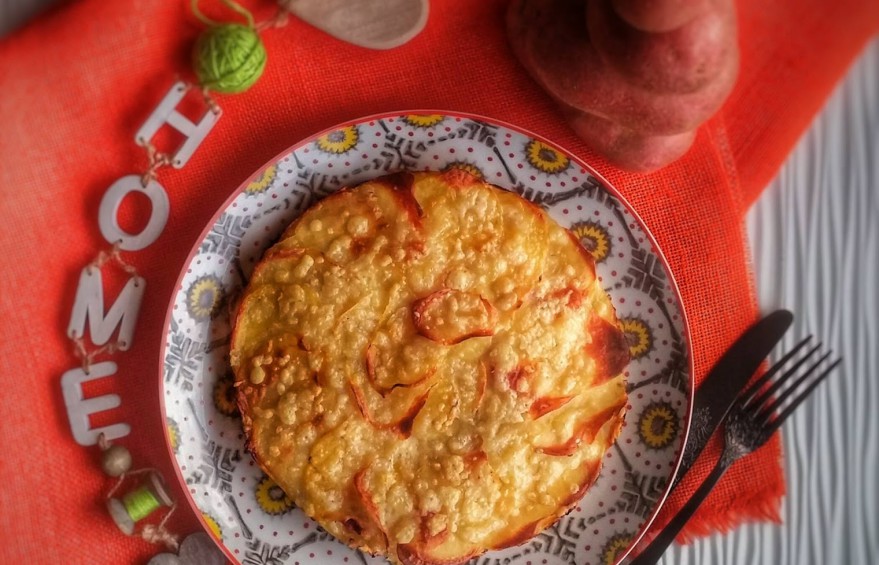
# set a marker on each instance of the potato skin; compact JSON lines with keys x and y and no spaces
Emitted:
{"x":685,"y":59}
{"x":660,"y":15}
{"x":629,"y":148}
{"x":634,"y":95}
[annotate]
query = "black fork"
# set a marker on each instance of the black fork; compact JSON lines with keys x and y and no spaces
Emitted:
{"x":756,"y":414}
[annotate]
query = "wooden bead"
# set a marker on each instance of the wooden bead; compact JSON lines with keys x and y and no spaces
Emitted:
{"x":115,"y":460}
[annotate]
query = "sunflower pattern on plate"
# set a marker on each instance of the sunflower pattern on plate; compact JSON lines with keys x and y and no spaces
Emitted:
{"x":469,"y":167}
{"x":271,"y":498}
{"x":173,"y":434}
{"x":212,"y":525}
{"x":658,"y":425}
{"x":239,"y":505}
{"x":204,"y":298}
{"x":262,"y":182}
{"x":423,"y":120}
{"x":224,"y":396}
{"x":638,"y":335}
{"x":594,"y":237}
{"x":613,"y":547}
{"x":546,"y":158}
{"x":339,"y":141}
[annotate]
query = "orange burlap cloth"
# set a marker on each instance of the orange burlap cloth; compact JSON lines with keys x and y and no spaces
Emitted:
{"x":77,"y":83}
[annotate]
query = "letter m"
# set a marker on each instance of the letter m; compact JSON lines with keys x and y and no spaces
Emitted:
{"x":89,"y":305}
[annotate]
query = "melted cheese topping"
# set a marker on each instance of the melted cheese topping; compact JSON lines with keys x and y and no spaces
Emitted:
{"x":428,"y":366}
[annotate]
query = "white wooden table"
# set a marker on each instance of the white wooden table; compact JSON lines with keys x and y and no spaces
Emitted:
{"x":815,"y":240}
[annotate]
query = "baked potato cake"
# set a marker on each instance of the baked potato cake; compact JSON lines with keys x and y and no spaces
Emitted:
{"x":428,"y":366}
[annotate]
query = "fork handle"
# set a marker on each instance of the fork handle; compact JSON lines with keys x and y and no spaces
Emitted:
{"x":653,"y":552}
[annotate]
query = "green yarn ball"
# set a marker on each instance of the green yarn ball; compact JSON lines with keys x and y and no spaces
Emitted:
{"x":229,"y":58}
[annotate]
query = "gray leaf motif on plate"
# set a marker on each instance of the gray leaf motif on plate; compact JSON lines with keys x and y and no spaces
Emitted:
{"x":225,"y":236}
{"x":183,"y":358}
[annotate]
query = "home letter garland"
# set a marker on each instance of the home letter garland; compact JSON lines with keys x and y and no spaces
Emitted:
{"x":228,"y":58}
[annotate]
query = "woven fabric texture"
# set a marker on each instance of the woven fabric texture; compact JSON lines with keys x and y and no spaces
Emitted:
{"x":78,"y":82}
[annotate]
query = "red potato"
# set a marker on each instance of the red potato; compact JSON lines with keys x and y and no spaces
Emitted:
{"x":524,"y":534}
{"x":683,"y":60}
{"x":367,"y":501}
{"x":626,"y":147}
{"x":585,"y":432}
{"x":660,"y":15}
{"x":609,"y":348}
{"x":553,"y":44}
{"x":473,"y":316}
{"x":402,"y":426}
{"x":413,"y":554}
{"x":372,"y":365}
{"x":636,"y":97}
{"x":546,"y":404}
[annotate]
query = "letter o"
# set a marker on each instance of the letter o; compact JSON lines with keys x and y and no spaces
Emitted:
{"x":107,"y":214}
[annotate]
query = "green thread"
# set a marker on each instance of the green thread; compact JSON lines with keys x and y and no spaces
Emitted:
{"x":140,"y":503}
{"x":228,"y":58}
{"x":231,"y":4}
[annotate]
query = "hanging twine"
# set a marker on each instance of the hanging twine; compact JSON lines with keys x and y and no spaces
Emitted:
{"x":159,"y":534}
{"x":228,"y":57}
{"x":115,"y":256}
{"x":157,"y":160}
{"x":279,"y":20}
{"x":209,"y":100}
{"x":88,"y":357}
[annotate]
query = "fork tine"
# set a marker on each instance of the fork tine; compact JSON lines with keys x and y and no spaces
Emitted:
{"x":776,"y":402}
{"x":776,"y":423}
{"x":776,"y":386}
{"x":758,"y":384}
{"x":752,"y":390}
{"x":765,"y":410}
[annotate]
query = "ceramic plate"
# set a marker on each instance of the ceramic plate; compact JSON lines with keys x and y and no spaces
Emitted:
{"x":249,"y":516}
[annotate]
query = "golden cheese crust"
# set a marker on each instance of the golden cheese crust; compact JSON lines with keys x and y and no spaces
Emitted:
{"x":429,"y":367}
